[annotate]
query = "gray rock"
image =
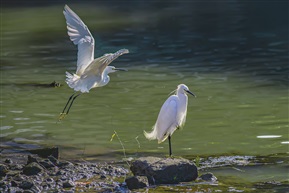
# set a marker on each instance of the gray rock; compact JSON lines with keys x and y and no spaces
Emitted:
{"x":136,"y":182}
{"x":165,"y":170}
{"x":68,"y":191}
{"x":208,"y":177}
{"x":49,"y":180}
{"x":65,"y":164}
{"x":2,"y":184}
{"x":19,"y":177}
{"x":45,"y":152}
{"x":3,"y":170}
{"x":47,"y":163}
{"x":14,"y":183}
{"x":14,"y":189}
{"x":32,"y":169}
{"x":68,"y":184}
{"x":8,"y":161}
{"x":31,"y":159}
{"x":35,"y":189}
{"x":28,"y":191}
{"x":53,"y":160}
{"x":102,"y":177}
{"x":26,"y":185}
{"x":16,"y":167}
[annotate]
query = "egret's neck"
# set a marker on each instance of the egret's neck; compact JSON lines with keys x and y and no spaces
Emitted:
{"x":183,"y":103}
{"x":180,"y":93}
{"x":104,"y":78}
{"x":183,"y":99}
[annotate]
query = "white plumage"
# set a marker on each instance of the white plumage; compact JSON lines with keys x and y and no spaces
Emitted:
{"x":171,"y":116}
{"x":90,"y":72}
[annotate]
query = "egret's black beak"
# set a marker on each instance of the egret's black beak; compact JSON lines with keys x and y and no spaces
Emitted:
{"x":190,"y":93}
{"x":121,"y":69}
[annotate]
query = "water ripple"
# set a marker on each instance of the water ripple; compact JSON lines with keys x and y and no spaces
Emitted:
{"x":31,"y":122}
{"x":44,"y":115}
{"x":26,"y":140}
{"x":268,"y":136}
{"x":21,"y":119}
{"x":5,"y":127}
{"x":14,"y":111}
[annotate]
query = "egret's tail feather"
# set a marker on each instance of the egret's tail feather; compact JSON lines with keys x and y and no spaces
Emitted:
{"x":74,"y":81}
{"x":152,"y":135}
{"x":149,"y":136}
{"x":155,"y":134}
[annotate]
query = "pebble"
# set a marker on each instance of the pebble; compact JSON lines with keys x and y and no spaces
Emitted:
{"x":68,"y":184}
{"x":14,"y":183}
{"x":102,"y":177}
{"x":208,"y":177}
{"x":3,"y":170}
{"x":137,"y":182}
{"x":28,"y":191}
{"x":26,"y":185}
{"x":8,"y":161}
{"x":32,"y":169}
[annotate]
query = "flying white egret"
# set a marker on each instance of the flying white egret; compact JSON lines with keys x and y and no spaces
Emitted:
{"x":90,"y":72}
{"x":172,"y":116}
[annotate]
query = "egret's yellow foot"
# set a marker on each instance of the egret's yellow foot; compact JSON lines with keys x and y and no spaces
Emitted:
{"x":61,"y":116}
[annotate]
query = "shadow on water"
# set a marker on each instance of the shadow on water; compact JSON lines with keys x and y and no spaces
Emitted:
{"x":38,"y":85}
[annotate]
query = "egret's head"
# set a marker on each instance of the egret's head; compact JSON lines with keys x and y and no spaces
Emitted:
{"x":184,"y":89}
{"x":111,"y":69}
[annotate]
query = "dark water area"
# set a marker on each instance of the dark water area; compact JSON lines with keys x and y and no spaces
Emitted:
{"x":246,"y":37}
{"x":242,"y":36}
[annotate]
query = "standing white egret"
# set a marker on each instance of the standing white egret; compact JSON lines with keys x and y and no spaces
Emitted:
{"x":171,"y":117}
{"x":90,"y":72}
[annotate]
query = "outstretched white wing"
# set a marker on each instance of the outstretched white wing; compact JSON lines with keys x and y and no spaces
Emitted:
{"x":99,"y":64}
{"x":80,"y":35}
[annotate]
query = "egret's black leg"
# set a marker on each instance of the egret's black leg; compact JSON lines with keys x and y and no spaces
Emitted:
{"x":68,"y":102}
{"x":63,"y":114}
{"x":72,"y":103}
{"x":170,"y":147}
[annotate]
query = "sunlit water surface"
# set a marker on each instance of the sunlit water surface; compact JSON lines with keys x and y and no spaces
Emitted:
{"x":239,"y":73}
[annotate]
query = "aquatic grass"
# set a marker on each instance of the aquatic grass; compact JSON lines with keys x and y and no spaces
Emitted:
{"x":123,"y":149}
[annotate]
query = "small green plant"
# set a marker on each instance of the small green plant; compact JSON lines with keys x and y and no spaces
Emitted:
{"x":175,"y":177}
{"x":123,"y":149}
{"x":197,"y":161}
{"x":136,"y":138}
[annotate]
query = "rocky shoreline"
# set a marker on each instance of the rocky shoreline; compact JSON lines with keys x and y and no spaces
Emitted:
{"x":41,"y":170}
{"x":52,"y":175}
